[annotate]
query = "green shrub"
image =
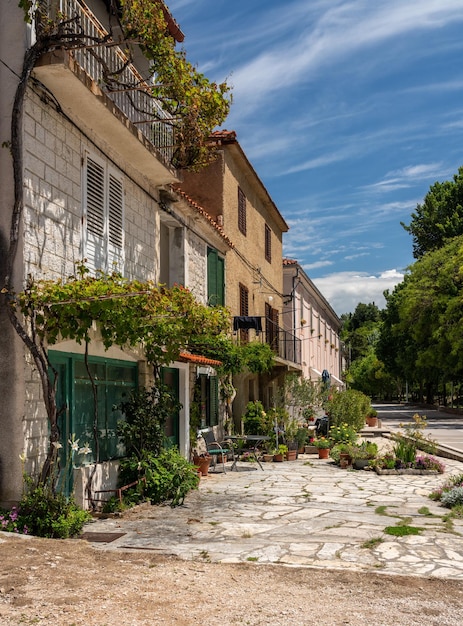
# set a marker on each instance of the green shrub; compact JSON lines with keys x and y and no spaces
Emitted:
{"x":166,"y":477}
{"x":349,"y":407}
{"x":48,"y":514}
{"x":405,"y":450}
{"x":343,"y":433}
{"x":146,"y":413}
{"x":453,"y":497}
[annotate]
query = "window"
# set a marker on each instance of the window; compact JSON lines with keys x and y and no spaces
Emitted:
{"x":215,"y":278}
{"x":271,"y":327}
{"x":268,"y":243}
{"x":241,"y":211}
{"x":244,"y":300}
{"x":244,"y":310}
{"x":208,"y":392}
{"x":114,"y":381}
{"x":103,"y":216}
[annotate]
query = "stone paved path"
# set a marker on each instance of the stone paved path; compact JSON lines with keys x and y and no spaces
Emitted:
{"x":303,"y":513}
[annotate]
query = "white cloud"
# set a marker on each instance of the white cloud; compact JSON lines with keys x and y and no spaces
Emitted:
{"x":344,"y":290}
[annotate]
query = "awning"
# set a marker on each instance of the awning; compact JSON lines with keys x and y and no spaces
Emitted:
{"x":187,"y":357}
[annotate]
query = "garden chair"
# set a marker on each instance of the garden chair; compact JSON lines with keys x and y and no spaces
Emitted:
{"x":216,"y":448}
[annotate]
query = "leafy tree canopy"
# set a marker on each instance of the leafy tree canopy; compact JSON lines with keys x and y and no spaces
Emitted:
{"x":130,"y":313}
{"x":439,"y":218}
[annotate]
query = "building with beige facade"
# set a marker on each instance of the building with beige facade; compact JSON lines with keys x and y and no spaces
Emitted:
{"x":230,"y":190}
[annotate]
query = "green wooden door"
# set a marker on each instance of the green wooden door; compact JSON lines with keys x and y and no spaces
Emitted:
{"x":170,"y":377}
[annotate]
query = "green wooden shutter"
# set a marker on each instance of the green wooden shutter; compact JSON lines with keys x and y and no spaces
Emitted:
{"x":215,"y":278}
{"x":213,"y":400}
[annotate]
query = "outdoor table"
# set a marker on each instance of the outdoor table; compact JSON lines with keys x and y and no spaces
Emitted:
{"x":255,"y":440}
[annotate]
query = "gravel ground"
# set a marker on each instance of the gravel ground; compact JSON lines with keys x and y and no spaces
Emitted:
{"x":70,"y":583}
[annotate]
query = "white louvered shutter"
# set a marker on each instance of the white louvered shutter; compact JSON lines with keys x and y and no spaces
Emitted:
{"x":95,"y":248}
{"x":115,"y":224}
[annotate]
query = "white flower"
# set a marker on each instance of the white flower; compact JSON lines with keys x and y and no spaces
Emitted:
{"x":57,"y":445}
{"x":74,"y":443}
{"x":85,"y":449}
{"x":22,"y":457}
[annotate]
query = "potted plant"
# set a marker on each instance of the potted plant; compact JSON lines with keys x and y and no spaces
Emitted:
{"x":301,"y":438}
{"x":323,"y":446}
{"x":372,"y":418}
{"x":202,"y":462}
{"x":363,"y":453}
{"x":280,"y":453}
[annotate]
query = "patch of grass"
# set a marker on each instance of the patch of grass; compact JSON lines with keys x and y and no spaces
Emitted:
{"x":401,"y":530}
{"x":381,"y":510}
{"x":252,"y":558}
{"x":204,"y":554}
{"x":372,"y":543}
{"x":425,"y":511}
{"x":246,"y":535}
{"x":457,"y":512}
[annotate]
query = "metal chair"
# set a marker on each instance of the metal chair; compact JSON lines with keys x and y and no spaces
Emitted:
{"x":216,"y":448}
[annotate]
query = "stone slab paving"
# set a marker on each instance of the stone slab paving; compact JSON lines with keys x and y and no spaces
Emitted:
{"x":302,"y":513}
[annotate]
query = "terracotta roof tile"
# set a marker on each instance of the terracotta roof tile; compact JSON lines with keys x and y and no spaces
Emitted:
{"x":196,"y":358}
{"x":199,"y":209}
{"x":289,"y":262}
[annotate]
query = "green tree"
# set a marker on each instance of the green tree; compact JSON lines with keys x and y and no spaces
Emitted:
{"x":360,"y":330}
{"x":439,"y":218}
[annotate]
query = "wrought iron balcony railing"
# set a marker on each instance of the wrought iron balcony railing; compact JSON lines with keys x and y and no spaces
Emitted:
{"x":283,"y":343}
{"x":127,"y":89}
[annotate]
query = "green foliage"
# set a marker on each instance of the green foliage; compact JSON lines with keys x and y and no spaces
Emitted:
{"x":450,"y":483}
{"x":322,"y":443}
{"x":167,"y":477}
{"x":255,"y":419}
{"x":405,"y":450}
{"x":48,"y":514}
{"x":196,"y":105}
{"x":349,"y":407}
{"x":128,"y":313}
{"x":146,"y":413}
{"x":366,"y":450}
{"x":343,"y":433}
{"x":257,"y":357}
{"x":439,"y":218}
{"x":413,"y":432}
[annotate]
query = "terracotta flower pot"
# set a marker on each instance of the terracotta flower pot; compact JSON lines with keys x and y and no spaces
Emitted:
{"x":291,"y":455}
{"x":278,"y":458}
{"x":372,"y":421}
{"x":323,"y":453}
{"x":203,"y":463}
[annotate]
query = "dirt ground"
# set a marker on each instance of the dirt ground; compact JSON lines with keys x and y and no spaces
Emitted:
{"x":69,"y":582}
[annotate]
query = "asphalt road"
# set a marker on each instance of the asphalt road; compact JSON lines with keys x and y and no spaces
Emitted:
{"x":445,"y":428}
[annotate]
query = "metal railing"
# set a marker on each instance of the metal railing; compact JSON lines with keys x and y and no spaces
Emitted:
{"x":109,"y":67}
{"x":283,"y":343}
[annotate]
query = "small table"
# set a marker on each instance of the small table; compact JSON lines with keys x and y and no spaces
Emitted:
{"x":256,"y":440}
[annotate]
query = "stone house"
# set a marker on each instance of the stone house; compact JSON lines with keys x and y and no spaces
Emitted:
{"x":316,"y":325}
{"x":230,"y":190}
{"x":97,"y":182}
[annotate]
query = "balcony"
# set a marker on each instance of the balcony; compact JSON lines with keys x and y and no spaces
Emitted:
{"x":285,"y":345}
{"x":110,"y":97}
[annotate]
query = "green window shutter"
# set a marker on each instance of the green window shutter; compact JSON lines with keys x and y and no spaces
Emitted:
{"x":215,"y":278}
{"x":213,"y":400}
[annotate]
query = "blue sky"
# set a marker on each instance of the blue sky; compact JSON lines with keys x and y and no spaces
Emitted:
{"x":349,"y":111}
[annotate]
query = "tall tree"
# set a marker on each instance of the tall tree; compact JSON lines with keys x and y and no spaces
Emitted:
{"x":439,"y":218}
